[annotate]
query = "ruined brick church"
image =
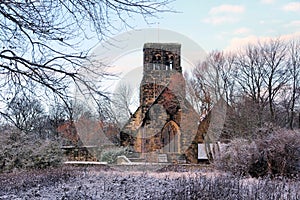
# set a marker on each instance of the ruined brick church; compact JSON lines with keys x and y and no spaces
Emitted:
{"x":165,"y":122}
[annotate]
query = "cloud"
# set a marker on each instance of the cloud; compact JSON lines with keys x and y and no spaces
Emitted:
{"x":238,"y":43}
{"x":267,"y":1}
{"x":224,"y":14}
{"x":292,"y":6}
{"x":273,"y":21}
{"x":241,"y":31}
{"x":226,"y":9}
{"x":220,"y":20}
{"x":295,"y":23}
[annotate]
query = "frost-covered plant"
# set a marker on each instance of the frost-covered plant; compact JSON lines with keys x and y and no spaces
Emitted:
{"x":237,"y":157}
{"x":110,"y":155}
{"x":281,"y":150}
{"x":18,"y":151}
{"x":274,"y":154}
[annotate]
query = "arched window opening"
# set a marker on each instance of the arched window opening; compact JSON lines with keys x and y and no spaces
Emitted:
{"x":171,"y":138}
{"x":156,"y":61}
{"x":171,"y":59}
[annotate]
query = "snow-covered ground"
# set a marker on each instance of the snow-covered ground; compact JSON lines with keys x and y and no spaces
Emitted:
{"x":104,"y":183}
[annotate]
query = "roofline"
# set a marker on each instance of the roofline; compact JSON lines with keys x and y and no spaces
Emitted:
{"x":161,"y":45}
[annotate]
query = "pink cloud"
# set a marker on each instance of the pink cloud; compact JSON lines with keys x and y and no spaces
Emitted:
{"x":292,"y":6}
{"x":240,"y":31}
{"x":239,"y":43}
{"x":224,"y":14}
{"x":220,"y":20}
{"x":267,"y":1}
{"x":226,"y":8}
{"x":295,"y":23}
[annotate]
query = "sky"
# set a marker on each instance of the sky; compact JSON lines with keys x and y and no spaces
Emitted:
{"x":225,"y":25}
{"x":212,"y":25}
{"x":215,"y":25}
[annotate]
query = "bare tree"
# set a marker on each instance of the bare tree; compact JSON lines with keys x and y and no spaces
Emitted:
{"x":25,"y":113}
{"x":198,"y":95}
{"x":213,"y":82}
{"x":294,"y":69}
{"x":259,"y":84}
{"x":123,"y":101}
{"x":213,"y":86}
{"x":249,"y":74}
{"x":44,"y":42}
{"x":208,"y":75}
{"x":261,"y":72}
{"x":57,"y":113}
{"x":274,"y":54}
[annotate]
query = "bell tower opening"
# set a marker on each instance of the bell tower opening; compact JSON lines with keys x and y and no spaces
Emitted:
{"x":162,"y":56}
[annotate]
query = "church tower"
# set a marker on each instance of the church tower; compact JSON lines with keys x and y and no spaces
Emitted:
{"x":161,"y":64}
{"x":164,"y":123}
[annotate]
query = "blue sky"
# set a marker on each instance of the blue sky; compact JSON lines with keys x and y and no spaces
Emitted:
{"x":225,"y":25}
{"x":213,"y":25}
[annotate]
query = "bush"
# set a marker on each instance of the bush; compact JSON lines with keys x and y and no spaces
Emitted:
{"x":48,"y":154}
{"x":274,"y":154}
{"x":237,"y":157}
{"x":282,"y":152}
{"x":18,"y":151}
{"x":110,"y":155}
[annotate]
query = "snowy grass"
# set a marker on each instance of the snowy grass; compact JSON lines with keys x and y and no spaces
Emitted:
{"x":103,"y":183}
